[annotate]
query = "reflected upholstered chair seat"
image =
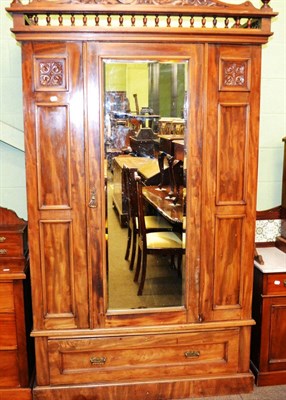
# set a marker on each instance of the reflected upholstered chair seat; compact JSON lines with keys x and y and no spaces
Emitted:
{"x":158,"y":243}
{"x":153,"y":223}
{"x":163,"y":240}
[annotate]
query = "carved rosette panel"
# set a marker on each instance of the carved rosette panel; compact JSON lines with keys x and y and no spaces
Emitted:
{"x":234,"y":75}
{"x":50,"y":74}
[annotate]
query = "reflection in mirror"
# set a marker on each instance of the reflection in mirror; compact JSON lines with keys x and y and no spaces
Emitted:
{"x":144,"y":130}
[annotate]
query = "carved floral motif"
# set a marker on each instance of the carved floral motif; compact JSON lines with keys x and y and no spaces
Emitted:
{"x":51,"y":73}
{"x":235,"y":73}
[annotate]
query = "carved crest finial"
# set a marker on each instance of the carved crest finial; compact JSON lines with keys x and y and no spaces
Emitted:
{"x":265,"y":3}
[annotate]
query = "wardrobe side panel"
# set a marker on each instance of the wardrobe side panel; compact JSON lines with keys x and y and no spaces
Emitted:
{"x":55,"y":168}
{"x":230,"y":172}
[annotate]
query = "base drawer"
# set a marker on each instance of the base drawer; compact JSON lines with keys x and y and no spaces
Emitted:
{"x":124,"y":358}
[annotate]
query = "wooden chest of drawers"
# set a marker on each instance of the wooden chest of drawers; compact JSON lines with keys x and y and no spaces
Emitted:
{"x":268,"y":351}
{"x":16,"y":347}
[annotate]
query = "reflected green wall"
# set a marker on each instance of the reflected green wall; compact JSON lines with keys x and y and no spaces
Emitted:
{"x":131,"y":78}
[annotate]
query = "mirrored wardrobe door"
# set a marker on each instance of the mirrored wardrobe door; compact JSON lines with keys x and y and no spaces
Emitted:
{"x":137,"y":138}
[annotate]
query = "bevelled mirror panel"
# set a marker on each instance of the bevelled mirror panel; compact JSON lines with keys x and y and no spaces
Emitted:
{"x":145,"y":107}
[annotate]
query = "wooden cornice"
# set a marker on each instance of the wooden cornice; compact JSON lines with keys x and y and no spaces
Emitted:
{"x":196,"y":20}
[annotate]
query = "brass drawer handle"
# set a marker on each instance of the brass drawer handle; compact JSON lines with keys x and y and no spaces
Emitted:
{"x":284,"y":282}
{"x":192,"y":354}
{"x":3,"y":251}
{"x":97,"y":360}
{"x":2,"y":239}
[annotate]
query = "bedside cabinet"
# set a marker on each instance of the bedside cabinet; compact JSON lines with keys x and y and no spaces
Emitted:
{"x":16,"y":347}
{"x":268,"y":350}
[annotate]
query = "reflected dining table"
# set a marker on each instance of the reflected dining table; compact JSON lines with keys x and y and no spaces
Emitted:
{"x":158,"y":199}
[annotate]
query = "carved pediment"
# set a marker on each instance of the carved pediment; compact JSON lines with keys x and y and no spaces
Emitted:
{"x":219,"y":4}
{"x":201,"y":3}
{"x":198,"y":3}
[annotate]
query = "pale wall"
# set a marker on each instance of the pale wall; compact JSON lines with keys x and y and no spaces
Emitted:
{"x":273,"y":112}
{"x":12,"y":164}
{"x":273,"y":115}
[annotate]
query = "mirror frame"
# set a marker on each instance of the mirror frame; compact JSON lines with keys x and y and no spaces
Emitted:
{"x":194,"y":55}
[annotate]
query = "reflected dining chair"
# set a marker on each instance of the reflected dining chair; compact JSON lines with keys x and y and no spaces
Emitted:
{"x":153,"y":223}
{"x":175,"y":172}
{"x":158,"y":243}
{"x":176,"y":178}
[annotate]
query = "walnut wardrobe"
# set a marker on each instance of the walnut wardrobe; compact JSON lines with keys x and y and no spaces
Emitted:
{"x":87,"y":348}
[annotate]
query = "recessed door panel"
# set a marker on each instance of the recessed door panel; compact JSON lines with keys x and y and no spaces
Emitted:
{"x":231,"y":155}
{"x":228,"y":262}
{"x":53,"y":155}
{"x":57,"y":269}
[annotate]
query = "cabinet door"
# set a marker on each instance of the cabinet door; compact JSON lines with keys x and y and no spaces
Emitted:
{"x":273,"y":333}
{"x":55,"y":161}
{"x":229,"y":194}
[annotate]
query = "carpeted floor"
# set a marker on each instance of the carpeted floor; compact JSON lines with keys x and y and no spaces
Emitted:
{"x":163,"y":285}
{"x":260,"y":393}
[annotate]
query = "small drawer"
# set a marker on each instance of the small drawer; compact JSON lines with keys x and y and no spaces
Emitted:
{"x":8,"y":339}
{"x":11,"y":266}
{"x":276,"y":284}
{"x":11,"y":244}
{"x":142,"y":357}
{"x":9,"y":370}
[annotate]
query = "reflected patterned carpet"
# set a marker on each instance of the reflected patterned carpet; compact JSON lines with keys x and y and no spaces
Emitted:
{"x":163,"y":286}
